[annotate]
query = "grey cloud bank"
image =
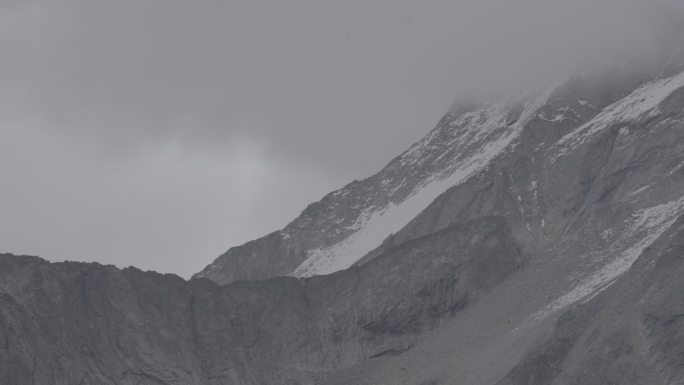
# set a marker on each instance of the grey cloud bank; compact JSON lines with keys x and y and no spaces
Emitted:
{"x":159,"y":133}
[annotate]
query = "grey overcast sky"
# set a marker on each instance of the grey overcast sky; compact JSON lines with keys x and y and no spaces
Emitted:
{"x":158,"y":133}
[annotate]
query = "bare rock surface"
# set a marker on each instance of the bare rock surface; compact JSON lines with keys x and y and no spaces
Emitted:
{"x":631,"y":333}
{"x":75,"y":323}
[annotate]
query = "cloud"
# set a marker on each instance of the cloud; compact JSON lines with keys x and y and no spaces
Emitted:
{"x":165,"y":208}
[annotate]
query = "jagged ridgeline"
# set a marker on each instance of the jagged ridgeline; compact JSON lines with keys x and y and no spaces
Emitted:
{"x":533,"y":240}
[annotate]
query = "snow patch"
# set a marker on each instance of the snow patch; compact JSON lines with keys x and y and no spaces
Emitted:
{"x":642,"y":103}
{"x":677,"y":168}
{"x":640,"y":190}
{"x":646,"y":227}
{"x":374,"y":225}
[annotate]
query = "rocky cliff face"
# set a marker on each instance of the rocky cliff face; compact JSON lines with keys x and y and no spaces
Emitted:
{"x":632,"y":333}
{"x":536,"y":240}
{"x":74,"y":323}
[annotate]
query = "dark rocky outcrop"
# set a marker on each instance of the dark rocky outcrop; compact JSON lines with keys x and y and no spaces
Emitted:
{"x":75,"y":323}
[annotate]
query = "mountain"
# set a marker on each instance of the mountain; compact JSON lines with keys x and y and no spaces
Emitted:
{"x":533,"y":240}
{"x":348,"y":225}
{"x":72,"y":323}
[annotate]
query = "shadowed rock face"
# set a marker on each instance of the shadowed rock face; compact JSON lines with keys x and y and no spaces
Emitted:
{"x":74,"y":323}
{"x":633,"y":333}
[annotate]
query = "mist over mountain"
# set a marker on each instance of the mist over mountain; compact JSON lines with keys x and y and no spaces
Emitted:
{"x":221,"y":121}
{"x":535,"y":235}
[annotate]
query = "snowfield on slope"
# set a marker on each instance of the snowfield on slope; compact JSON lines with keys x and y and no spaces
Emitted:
{"x":375,"y":225}
{"x":644,"y":229}
{"x":640,"y":104}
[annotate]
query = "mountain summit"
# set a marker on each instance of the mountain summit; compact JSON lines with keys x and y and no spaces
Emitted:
{"x":350,"y":225}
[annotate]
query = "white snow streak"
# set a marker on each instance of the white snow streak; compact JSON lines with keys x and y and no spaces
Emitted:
{"x":637,"y":192}
{"x":646,"y":227}
{"x":376,"y":225}
{"x":641,"y":103}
